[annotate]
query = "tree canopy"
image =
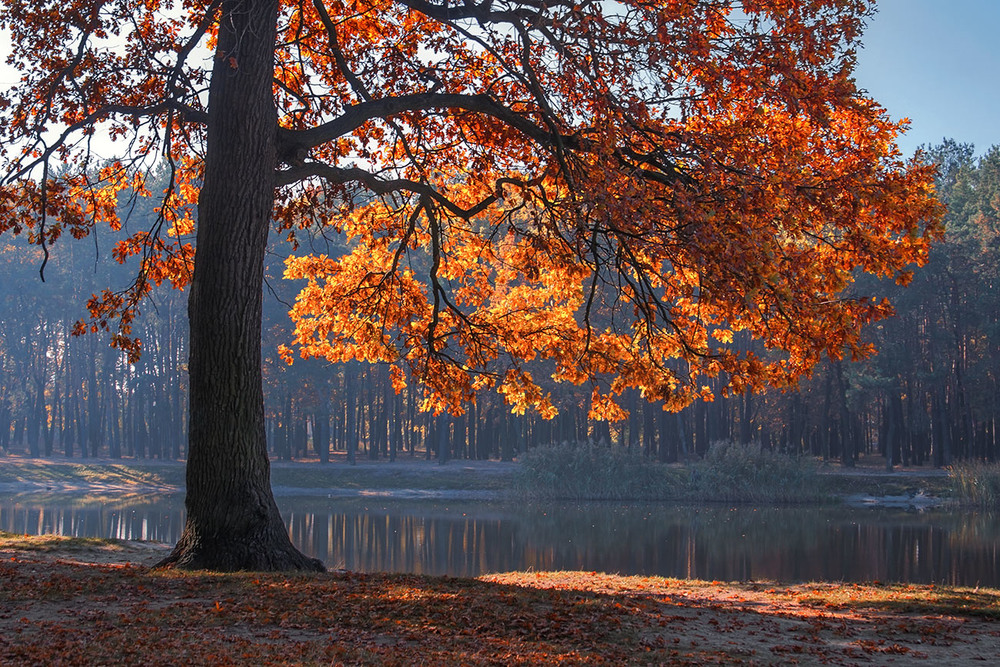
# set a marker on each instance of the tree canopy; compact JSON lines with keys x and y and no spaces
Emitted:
{"x":605,"y":192}
{"x":611,"y":187}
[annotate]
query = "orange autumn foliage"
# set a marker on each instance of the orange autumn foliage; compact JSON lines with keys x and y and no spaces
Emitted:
{"x":597,"y":192}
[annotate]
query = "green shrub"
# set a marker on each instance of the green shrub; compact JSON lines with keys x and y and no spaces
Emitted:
{"x":976,"y":483}
{"x":589,"y":471}
{"x":750,"y":474}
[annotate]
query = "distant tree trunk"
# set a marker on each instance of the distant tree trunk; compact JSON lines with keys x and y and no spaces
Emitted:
{"x":650,"y":443}
{"x":847,"y":446}
{"x":114,"y":427}
{"x":19,"y":424}
{"x":93,"y":443}
{"x":939,"y":430}
{"x":796,"y":424}
{"x":682,"y":439}
{"x":35,"y":421}
{"x":474,"y":452}
{"x":666,"y":449}
{"x":443,"y":430}
{"x":5,"y":424}
{"x":351,"y":432}
{"x":53,"y":421}
{"x":746,"y":411}
{"x":136,"y":426}
{"x":828,"y":426}
{"x":232,"y":520}
{"x":321,"y":433}
{"x":894,"y":427}
{"x":429,"y":435}
{"x":178,"y":429}
{"x":602,"y":433}
{"x":301,"y":436}
{"x":910,"y":443}
{"x":700,"y":430}
{"x":283,"y":442}
{"x":69,"y":423}
{"x":162,"y":419}
{"x":506,"y":440}
{"x":628,"y":431}
{"x":484,"y":431}
{"x":18,"y":437}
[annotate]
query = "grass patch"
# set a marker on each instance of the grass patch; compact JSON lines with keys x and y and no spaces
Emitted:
{"x":48,"y":543}
{"x":976,"y":483}
{"x":385,"y":475}
{"x":68,"y":476}
{"x":85,"y":549}
{"x":906,"y":598}
{"x":61,"y":474}
{"x":589,"y":471}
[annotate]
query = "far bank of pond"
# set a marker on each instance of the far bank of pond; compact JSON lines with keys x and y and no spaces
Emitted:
{"x":466,"y":478}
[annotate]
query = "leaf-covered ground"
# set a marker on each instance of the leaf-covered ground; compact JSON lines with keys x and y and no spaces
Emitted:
{"x":79,"y":602}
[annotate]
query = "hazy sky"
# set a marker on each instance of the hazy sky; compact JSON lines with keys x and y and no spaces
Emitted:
{"x":936,"y":62}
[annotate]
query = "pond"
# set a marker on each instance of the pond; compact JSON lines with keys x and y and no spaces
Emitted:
{"x":466,"y":538}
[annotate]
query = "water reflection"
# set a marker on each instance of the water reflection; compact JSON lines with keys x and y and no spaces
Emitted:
{"x":471,"y":538}
{"x":158,"y":519}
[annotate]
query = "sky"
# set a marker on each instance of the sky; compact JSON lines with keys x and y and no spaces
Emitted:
{"x":936,"y":62}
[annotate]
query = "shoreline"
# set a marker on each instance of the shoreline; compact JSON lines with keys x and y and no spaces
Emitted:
{"x":457,"y":479}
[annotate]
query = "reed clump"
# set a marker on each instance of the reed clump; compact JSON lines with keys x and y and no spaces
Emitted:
{"x":734,"y":472}
{"x":595,"y":471}
{"x":976,"y":483}
{"x":730,"y":472}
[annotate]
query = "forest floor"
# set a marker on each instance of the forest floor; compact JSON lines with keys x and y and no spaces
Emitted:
{"x":72,"y":601}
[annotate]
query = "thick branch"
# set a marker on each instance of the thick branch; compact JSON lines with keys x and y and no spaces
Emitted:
{"x":378,"y":185}
{"x":522,"y":11}
{"x":298,"y":142}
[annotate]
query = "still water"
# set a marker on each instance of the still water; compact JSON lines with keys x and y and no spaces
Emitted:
{"x":719,"y":542}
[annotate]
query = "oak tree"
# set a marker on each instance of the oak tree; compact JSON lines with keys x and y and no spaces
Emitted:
{"x":603,"y":192}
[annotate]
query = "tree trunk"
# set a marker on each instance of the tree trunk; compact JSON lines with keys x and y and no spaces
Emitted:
{"x":443,"y":434}
{"x":847,"y":446}
{"x":232,"y":520}
{"x":321,"y":432}
{"x":36,"y":420}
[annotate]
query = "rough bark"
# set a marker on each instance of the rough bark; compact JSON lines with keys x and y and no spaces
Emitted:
{"x":232,"y":520}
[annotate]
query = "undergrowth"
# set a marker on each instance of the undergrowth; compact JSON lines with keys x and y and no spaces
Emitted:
{"x":976,"y":483}
{"x":729,"y":473}
{"x":751,"y":474}
{"x":590,"y":471}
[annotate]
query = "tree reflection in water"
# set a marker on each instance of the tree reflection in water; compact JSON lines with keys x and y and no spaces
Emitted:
{"x":717,"y":542}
